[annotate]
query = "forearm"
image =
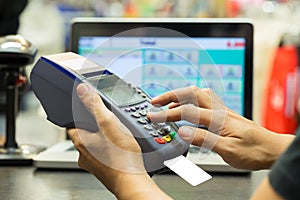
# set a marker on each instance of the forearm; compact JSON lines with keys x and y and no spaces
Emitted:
{"x":265,"y":191}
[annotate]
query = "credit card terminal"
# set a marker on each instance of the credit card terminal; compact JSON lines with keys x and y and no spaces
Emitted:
{"x":54,"y":79}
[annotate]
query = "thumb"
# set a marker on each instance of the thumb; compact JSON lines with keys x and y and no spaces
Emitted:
{"x":91,"y":100}
{"x":105,"y":119}
{"x":200,"y":137}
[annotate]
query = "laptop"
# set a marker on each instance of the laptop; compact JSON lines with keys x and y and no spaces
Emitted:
{"x":159,"y":55}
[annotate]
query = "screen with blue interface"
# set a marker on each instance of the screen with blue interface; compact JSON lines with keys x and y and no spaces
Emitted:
{"x":160,"y":64}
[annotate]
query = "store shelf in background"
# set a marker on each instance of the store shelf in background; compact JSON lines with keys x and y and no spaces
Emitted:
{"x":68,"y":12}
{"x":176,"y":8}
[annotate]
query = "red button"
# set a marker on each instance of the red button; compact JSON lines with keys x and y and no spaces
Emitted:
{"x":160,"y":140}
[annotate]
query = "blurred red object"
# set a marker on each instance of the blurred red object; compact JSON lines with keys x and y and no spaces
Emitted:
{"x":280,"y":106}
{"x":233,"y":8}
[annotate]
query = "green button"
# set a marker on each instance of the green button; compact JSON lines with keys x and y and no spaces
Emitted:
{"x":173,"y":134}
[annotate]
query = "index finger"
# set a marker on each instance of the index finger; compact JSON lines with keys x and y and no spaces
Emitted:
{"x":194,"y":95}
{"x":212,"y":119}
{"x":189,"y":113}
{"x":181,"y":96}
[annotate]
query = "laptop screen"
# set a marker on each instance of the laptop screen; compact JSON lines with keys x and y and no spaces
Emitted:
{"x":158,"y":62}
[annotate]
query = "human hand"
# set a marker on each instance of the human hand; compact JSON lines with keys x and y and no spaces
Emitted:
{"x":239,"y":141}
{"x":111,"y":154}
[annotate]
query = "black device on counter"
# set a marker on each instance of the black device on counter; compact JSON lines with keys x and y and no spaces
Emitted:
{"x":54,"y":79}
{"x":15,"y":54}
{"x":16,"y":51}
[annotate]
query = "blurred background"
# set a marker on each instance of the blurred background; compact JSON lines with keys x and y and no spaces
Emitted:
{"x":46,"y":24}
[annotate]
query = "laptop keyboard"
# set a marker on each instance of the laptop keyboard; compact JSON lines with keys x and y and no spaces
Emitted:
{"x":72,"y":148}
{"x":195,"y":150}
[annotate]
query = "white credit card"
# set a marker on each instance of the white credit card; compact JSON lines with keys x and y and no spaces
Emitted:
{"x":187,"y":170}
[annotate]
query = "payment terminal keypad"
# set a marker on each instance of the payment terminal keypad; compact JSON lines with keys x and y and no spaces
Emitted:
{"x":161,"y":133}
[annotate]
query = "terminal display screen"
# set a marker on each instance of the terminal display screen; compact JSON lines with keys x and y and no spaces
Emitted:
{"x":122,"y":95}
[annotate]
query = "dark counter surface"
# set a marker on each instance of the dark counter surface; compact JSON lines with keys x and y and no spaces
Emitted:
{"x":21,"y":182}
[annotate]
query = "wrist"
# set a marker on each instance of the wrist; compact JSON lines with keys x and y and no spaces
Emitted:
{"x":137,"y":186}
{"x":276,"y":145}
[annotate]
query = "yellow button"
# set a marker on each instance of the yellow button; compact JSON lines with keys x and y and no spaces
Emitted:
{"x":167,"y":138}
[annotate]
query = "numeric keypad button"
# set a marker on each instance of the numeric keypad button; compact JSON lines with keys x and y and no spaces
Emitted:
{"x":127,"y":109}
{"x":148,"y":127}
{"x":154,"y":125}
{"x":136,"y":115}
{"x":142,"y":121}
{"x":161,"y":132}
{"x":161,"y":124}
{"x":143,"y":112}
{"x":153,"y":133}
{"x":167,"y":129}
